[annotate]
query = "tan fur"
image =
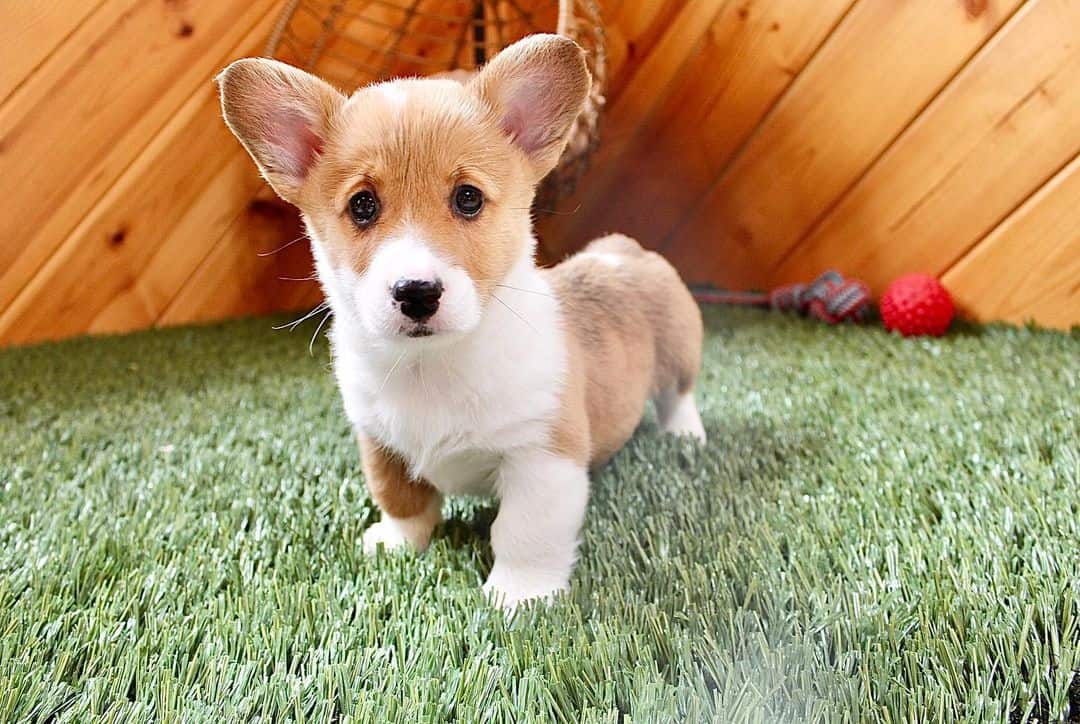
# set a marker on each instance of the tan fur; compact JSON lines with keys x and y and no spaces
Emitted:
{"x":632,"y":329}
{"x":637,"y":331}
{"x":388,"y":480}
{"x":512,"y":75}
{"x":247,"y":87}
{"x":414,"y":148}
{"x":412,"y":156}
{"x":412,"y":144}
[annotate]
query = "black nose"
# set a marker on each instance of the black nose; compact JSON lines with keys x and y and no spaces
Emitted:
{"x":419,"y":298}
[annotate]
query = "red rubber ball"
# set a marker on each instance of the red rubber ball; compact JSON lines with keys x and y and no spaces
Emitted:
{"x":917,"y":304}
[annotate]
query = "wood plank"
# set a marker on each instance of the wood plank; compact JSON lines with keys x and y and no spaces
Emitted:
{"x":50,"y":73}
{"x":30,"y":31}
{"x":99,"y":261}
{"x":1004,"y":126}
{"x":234,"y":280}
{"x":69,"y":132}
{"x":647,"y":79}
{"x":622,"y":118}
{"x":878,"y":69}
{"x":159,"y":274}
{"x":166,"y":203}
{"x":632,"y":30}
{"x":1028,"y":268}
{"x":748,"y":56}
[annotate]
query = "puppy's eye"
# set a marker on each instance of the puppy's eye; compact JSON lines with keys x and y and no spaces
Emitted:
{"x":467,"y":201}
{"x":364,"y":208}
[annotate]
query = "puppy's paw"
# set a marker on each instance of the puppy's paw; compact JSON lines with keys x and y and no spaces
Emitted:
{"x":692,"y":429}
{"x":510,"y":588}
{"x":395,"y":533}
{"x":679,"y":416}
{"x":388,"y":534}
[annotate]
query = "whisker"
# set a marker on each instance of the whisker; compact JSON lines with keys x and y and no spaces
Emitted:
{"x":423,"y":382}
{"x":387,"y":378}
{"x":311,"y":278}
{"x":514,"y":312}
{"x":283,"y":246}
{"x":450,"y":371}
{"x":529,"y":291}
{"x":554,"y":212}
{"x":311,"y":344}
{"x":293,"y":324}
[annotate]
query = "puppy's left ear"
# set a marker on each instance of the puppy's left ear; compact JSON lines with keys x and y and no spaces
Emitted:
{"x":537,"y":86}
{"x":282,"y":115}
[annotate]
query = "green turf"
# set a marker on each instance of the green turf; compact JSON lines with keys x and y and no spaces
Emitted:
{"x":879,"y":530}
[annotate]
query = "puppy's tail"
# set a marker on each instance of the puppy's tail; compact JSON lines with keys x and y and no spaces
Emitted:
{"x":615,"y":244}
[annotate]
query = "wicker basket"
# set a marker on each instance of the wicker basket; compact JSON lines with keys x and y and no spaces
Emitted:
{"x":354,"y":42}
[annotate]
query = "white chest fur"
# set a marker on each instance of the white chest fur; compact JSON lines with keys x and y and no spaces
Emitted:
{"x":454,"y":408}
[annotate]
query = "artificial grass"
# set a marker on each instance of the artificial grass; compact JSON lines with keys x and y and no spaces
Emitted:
{"x":879,"y":530}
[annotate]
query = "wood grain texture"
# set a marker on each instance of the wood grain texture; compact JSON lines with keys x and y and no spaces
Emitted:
{"x":78,"y":122}
{"x":161,"y":275}
{"x":755,"y":141}
{"x":31,"y":31}
{"x":672,"y":132}
{"x":873,"y":76}
{"x":1029,"y":267}
{"x":648,"y":85}
{"x":633,"y":28}
{"x":136,"y":248}
{"x":997,"y":133}
{"x":252,"y":269}
{"x":99,"y":261}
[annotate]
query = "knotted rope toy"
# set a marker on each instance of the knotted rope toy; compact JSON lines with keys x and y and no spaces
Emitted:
{"x":914,"y":304}
{"x":830,"y":298}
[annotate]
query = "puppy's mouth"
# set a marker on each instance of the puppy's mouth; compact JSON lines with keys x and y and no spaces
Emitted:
{"x":420,"y":330}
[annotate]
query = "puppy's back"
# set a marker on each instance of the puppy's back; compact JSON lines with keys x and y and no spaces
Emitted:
{"x":636,"y":332}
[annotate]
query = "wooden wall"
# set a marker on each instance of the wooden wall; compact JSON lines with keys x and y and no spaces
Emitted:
{"x":764,"y":141}
{"x":128,"y":203}
{"x":754,"y":142}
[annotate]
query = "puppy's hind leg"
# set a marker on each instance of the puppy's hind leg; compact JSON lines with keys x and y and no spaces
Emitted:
{"x":678,"y":332}
{"x":677,"y":414}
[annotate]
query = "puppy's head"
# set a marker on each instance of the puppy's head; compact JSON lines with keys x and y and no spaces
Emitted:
{"x":417,"y":192}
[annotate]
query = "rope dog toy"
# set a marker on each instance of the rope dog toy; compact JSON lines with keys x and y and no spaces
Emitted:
{"x":830,"y":298}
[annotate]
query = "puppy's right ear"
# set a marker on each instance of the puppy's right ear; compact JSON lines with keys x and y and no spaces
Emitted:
{"x":282,"y":115}
{"x":537,"y":87}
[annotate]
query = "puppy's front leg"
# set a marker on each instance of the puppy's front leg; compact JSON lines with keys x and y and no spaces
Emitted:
{"x":410,"y":508}
{"x":542,"y":498}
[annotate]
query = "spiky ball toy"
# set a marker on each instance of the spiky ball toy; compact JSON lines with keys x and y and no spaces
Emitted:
{"x":917,"y":304}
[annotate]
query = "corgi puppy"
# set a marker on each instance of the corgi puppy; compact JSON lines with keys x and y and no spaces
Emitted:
{"x":464,"y":368}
